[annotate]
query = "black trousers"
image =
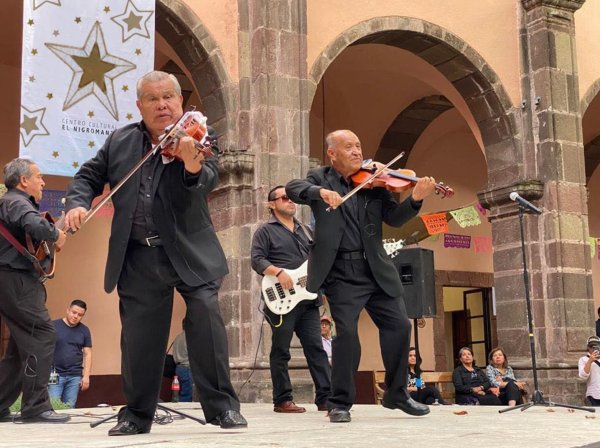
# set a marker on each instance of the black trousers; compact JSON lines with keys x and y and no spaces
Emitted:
{"x":350,"y":288}
{"x":510,"y":392}
{"x":304,"y":321}
{"x":427,"y":395}
{"x":26,"y":364}
{"x":146,"y":288}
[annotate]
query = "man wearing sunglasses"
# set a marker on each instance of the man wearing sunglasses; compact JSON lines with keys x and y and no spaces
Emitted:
{"x":279,"y":244}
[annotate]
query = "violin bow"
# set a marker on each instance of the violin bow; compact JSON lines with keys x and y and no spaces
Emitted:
{"x":367,"y":180}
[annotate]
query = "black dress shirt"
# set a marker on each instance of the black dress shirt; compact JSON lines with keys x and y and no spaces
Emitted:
{"x":274,"y":244}
{"x":20,"y":215}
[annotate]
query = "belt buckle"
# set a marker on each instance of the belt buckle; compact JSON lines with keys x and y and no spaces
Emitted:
{"x":150,"y":238}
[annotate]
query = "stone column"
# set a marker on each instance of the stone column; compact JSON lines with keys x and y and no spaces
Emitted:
{"x":273,"y":125}
{"x":556,"y":241}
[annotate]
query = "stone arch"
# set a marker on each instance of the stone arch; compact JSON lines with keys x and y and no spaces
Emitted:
{"x":591,"y":93}
{"x":199,"y":52}
{"x":464,"y":68}
{"x":408,"y":126}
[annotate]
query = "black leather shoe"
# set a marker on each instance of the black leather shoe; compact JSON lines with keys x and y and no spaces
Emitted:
{"x":127,"y":428}
{"x":6,"y":416}
{"x":322,"y":407}
{"x":229,"y":419}
{"x":409,"y":406}
{"x":338,"y":415}
{"x":47,"y":417}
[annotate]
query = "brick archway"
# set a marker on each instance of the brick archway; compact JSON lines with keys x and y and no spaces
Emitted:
{"x":464,"y":68}
{"x":199,"y":52}
{"x":408,"y":126}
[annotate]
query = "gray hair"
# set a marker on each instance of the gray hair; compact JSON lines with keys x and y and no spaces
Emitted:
{"x":156,"y":76}
{"x":16,"y":168}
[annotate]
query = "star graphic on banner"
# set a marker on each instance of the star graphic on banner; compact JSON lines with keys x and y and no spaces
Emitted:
{"x":55,"y":154}
{"x":75,"y":165}
{"x":129,"y":116}
{"x":50,"y":95}
{"x":125,"y":88}
{"x":138,"y":51}
{"x":32,"y":124}
{"x":34,"y":51}
{"x":32,"y":78}
{"x":94,"y":70}
{"x":38,"y":3}
{"x":90,"y":114}
{"x":132,"y":20}
{"x":91,"y":144}
{"x":30,"y":22}
{"x":107,"y":9}
{"x":55,"y":33}
{"x":77,"y":19}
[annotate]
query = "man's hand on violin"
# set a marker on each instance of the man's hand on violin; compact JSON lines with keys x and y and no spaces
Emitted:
{"x":191,"y":157}
{"x":423,"y":188}
{"x":331,"y":198}
{"x":74,"y":218}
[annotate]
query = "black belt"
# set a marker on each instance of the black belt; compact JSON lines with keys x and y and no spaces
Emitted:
{"x":151,"y":241}
{"x":351,"y":255}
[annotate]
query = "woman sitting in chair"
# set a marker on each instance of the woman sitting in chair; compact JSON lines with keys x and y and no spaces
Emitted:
{"x":501,"y":375}
{"x":471,"y":383}
{"x":416,"y":386}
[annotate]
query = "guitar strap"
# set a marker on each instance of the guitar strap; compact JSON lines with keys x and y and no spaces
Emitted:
{"x":307,"y":232}
{"x":21,"y":249}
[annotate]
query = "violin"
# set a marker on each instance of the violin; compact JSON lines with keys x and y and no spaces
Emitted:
{"x":394,"y":180}
{"x":191,"y":124}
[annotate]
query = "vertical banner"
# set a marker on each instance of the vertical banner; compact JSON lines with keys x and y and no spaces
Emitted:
{"x":81,"y":61}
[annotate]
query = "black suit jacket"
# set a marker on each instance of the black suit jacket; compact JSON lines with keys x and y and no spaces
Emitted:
{"x":375,"y":206}
{"x":179,"y":206}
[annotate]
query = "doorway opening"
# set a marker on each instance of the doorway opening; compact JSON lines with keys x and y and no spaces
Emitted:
{"x":470,"y":321}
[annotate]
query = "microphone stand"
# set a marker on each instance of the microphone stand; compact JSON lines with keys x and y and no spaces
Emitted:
{"x":537,"y":398}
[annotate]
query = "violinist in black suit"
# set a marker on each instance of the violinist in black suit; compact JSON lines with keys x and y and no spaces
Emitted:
{"x":162,"y":238}
{"x":349,"y":263}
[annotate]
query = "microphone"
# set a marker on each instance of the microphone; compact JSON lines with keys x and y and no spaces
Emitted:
{"x":514,"y":196}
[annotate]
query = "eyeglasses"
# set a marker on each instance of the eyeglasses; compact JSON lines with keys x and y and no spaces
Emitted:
{"x":283,"y":197}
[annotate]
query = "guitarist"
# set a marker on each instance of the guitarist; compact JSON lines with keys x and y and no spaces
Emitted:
{"x":26,"y":365}
{"x":279,"y":244}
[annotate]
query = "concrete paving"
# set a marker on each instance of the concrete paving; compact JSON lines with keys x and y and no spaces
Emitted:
{"x":371,"y":426}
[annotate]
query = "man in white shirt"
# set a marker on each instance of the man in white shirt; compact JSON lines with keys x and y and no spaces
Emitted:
{"x":589,"y":370}
{"x":326,"y":335}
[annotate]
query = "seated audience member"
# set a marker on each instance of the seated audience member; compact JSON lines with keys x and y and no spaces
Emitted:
{"x":501,"y":375}
{"x":589,"y":370}
{"x":416,"y":387}
{"x":326,"y":337}
{"x":471,"y":383}
{"x":182,"y":369}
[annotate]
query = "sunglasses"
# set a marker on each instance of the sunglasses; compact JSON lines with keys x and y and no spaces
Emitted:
{"x":283,"y":197}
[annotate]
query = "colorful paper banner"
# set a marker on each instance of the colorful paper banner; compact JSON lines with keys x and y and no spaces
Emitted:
{"x":52,"y":202}
{"x":2,"y":190}
{"x":457,"y":241}
{"x":483,"y":244}
{"x":481,"y":209}
{"x":466,"y":217}
{"x":435,"y":223}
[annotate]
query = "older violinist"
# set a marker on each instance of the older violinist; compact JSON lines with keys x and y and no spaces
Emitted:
{"x":162,"y":238}
{"x":349,"y":263}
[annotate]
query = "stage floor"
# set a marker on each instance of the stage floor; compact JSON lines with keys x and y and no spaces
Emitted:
{"x":372,"y":427}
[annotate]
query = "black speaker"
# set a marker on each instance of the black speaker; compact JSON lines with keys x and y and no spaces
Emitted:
{"x":415,"y":266}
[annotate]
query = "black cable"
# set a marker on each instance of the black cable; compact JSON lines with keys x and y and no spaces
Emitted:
{"x":257,"y":349}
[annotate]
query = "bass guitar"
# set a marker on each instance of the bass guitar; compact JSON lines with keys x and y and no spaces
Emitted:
{"x":281,"y":301}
